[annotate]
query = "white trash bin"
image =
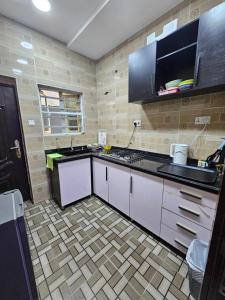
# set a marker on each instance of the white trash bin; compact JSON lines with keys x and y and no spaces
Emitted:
{"x":196,"y":259}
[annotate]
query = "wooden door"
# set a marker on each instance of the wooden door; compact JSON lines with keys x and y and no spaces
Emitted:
{"x":146,"y":200}
{"x":210,"y":57}
{"x":13,"y":168}
{"x":119,"y":187}
{"x":142,"y":73}
{"x":100,"y":179}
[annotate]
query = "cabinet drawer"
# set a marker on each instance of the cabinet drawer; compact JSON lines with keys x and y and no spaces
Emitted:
{"x":184,"y":227}
{"x":199,"y":214}
{"x":195,"y":195}
{"x":176,"y":239}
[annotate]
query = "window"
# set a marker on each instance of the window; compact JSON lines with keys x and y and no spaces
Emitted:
{"x":61,"y":111}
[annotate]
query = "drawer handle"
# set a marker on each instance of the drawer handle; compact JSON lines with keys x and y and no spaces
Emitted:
{"x":189,"y":210}
{"x":181,"y":243}
{"x":186,"y":228}
{"x":191,"y":194}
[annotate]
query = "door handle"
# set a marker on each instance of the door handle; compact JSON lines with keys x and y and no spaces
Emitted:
{"x":197,"y":69}
{"x":17,"y":148}
{"x":106,"y":173}
{"x":131,"y":184}
{"x":189,"y":210}
{"x":186,"y":228}
{"x":181,"y":243}
{"x":191,"y":194}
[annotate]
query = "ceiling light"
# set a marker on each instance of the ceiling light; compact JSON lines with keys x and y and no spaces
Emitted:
{"x":26,"y":45}
{"x":17,"y":71}
{"x":22,"y":61}
{"x":43,"y":5}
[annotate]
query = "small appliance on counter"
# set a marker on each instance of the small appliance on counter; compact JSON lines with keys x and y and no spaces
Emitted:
{"x":102,"y":135}
{"x":179,"y":153}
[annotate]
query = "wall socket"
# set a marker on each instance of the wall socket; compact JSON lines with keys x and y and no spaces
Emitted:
{"x":137,"y":122}
{"x":202,"y":120}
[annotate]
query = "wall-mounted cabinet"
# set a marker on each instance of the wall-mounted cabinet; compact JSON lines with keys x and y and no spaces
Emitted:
{"x":195,"y":51}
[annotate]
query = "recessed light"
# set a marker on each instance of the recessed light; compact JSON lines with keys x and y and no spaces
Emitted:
{"x":43,"y":5}
{"x":22,"y":61}
{"x":26,"y":45}
{"x":17,"y":71}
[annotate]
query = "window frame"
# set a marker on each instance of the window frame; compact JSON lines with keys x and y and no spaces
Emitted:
{"x":81,"y":113}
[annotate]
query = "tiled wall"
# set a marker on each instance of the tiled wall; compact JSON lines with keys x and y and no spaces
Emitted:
{"x":166,"y":122}
{"x":50,"y":63}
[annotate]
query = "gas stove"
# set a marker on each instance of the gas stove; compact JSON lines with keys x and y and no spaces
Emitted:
{"x":125,"y":155}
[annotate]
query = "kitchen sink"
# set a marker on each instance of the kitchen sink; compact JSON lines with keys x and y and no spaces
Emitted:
{"x":206,"y":176}
{"x":71,"y":152}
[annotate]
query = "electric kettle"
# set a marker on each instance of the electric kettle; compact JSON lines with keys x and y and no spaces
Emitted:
{"x":179,"y":153}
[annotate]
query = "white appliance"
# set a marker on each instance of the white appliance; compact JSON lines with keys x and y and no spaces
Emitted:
{"x":102,"y":137}
{"x":179,"y":153}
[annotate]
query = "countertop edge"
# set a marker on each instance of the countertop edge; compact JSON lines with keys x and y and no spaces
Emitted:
{"x":194,"y":184}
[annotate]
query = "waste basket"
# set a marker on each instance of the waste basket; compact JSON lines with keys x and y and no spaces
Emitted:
{"x":196,"y":259}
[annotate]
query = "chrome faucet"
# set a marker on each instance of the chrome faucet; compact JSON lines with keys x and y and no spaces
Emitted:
{"x":71,"y":142}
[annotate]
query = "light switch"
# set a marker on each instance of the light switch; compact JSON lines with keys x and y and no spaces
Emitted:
{"x":31,"y":122}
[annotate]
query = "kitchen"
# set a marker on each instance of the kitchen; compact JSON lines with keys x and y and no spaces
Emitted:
{"x":112,"y":219}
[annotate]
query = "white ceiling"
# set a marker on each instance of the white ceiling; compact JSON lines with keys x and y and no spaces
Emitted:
{"x":89,"y":27}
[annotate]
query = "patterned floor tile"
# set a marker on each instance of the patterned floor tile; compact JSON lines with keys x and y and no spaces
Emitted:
{"x":90,"y":252}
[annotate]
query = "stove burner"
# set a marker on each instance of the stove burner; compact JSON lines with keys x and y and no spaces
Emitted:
{"x":125,"y":155}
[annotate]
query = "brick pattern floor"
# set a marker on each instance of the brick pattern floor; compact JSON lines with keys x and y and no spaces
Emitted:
{"x":89,"y":251}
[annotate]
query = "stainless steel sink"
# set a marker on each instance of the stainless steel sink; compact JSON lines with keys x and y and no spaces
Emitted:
{"x":71,"y":152}
{"x":206,"y":176}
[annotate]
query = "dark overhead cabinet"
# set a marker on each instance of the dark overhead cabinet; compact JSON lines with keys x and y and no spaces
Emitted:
{"x":196,"y":50}
{"x":142,"y":73}
{"x":210,"y":66}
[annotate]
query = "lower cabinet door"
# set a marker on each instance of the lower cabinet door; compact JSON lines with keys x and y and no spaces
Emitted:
{"x":75,"y":180}
{"x":146,"y":200}
{"x":119,"y":187}
{"x":100,"y":178}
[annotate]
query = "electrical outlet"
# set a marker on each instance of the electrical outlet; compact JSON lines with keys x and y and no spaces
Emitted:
{"x":202,"y":120}
{"x":137,"y":123}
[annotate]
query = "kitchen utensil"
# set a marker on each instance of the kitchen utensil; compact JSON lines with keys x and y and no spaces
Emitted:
{"x":179,"y":153}
{"x":107,"y":147}
{"x":173,"y":83}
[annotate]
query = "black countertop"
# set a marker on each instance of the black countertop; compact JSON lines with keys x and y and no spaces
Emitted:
{"x":149,"y":165}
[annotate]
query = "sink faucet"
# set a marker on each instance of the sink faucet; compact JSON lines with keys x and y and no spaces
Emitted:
{"x":71,"y":142}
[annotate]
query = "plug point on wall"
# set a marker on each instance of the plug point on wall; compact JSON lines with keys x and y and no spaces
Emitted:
{"x":202,"y":120}
{"x":137,"y":123}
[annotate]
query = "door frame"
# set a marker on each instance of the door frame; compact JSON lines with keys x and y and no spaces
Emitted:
{"x":215,"y":267}
{"x":11,"y":82}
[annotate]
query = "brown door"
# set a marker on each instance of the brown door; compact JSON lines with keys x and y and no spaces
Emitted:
{"x":13,"y":170}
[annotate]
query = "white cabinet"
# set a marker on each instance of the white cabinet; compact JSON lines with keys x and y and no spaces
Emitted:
{"x":75,"y":180}
{"x":119,"y":187}
{"x":100,"y":178}
{"x":187,"y":213}
{"x":146,"y":200}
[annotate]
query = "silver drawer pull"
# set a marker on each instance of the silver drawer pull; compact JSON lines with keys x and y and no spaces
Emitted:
{"x":186,"y":228}
{"x":189,"y":210}
{"x":181,"y":243}
{"x":191,"y":194}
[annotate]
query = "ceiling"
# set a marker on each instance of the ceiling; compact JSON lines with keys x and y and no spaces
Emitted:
{"x":89,"y":27}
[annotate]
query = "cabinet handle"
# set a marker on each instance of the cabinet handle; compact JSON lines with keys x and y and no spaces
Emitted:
{"x":131,"y":184}
{"x":191,"y":194}
{"x":181,"y":243}
{"x":189,"y":210}
{"x":106,"y":173}
{"x":151,"y":84}
{"x":197,"y":69}
{"x":186,"y":228}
